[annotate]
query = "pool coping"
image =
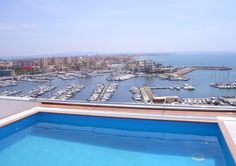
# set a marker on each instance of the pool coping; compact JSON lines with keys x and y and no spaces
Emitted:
{"x":133,"y":115}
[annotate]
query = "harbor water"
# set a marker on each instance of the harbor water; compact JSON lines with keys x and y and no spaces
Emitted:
{"x":201,"y":80}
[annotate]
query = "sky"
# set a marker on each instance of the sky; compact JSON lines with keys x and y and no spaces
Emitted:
{"x":39,"y":27}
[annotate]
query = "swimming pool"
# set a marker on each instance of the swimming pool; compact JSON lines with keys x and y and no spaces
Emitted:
{"x":61,"y":140}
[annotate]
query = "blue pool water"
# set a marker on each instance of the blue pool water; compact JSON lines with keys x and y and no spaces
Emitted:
{"x":62,"y":140}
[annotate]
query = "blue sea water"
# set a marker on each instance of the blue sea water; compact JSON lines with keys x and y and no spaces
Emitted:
{"x":199,"y":79}
{"x":196,"y":59}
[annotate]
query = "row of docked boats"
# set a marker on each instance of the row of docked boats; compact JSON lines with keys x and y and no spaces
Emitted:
{"x":202,"y":101}
{"x":7,"y":83}
{"x":10,"y":92}
{"x":68,"y":92}
{"x":97,"y":91}
{"x":187,"y":87}
{"x":136,"y":94}
{"x":39,"y":91}
{"x":171,"y":77}
{"x":176,"y":87}
{"x":66,"y":77}
{"x":33,"y":80}
{"x":42,"y":78}
{"x":120,"y":77}
{"x":103,"y":92}
{"x":222,"y":101}
{"x":74,"y":75}
{"x":38,"y":78}
{"x":109,"y":92}
{"x":231,"y":85}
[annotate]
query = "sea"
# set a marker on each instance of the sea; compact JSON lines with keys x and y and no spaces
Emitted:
{"x":201,"y":80}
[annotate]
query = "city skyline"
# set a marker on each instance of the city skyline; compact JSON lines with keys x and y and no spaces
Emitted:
{"x":50,"y":27}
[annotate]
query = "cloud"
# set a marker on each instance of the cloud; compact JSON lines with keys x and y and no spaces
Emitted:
{"x":8,"y":26}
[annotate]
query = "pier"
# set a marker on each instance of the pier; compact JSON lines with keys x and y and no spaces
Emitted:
{"x":68,"y":92}
{"x":187,"y":70}
{"x":147,"y":94}
{"x":103,"y":92}
{"x":179,"y":74}
{"x":40,"y":90}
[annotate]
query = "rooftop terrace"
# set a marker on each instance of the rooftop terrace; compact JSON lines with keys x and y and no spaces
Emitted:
{"x":13,"y":109}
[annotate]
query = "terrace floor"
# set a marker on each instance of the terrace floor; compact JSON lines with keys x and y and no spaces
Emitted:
{"x":11,"y":106}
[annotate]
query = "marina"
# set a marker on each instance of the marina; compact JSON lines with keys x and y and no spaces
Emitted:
{"x":99,"y":94}
{"x":196,"y":87}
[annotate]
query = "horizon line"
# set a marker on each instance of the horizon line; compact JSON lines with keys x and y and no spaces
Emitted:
{"x":99,"y":53}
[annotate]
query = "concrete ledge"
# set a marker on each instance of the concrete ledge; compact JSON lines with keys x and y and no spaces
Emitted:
{"x":146,"y":106}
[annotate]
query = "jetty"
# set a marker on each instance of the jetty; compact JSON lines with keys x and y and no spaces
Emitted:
{"x":103,"y":92}
{"x":40,"y":90}
{"x":149,"y":97}
{"x":179,"y":75}
{"x":147,"y":94}
{"x":186,"y":70}
{"x":67,"y":92}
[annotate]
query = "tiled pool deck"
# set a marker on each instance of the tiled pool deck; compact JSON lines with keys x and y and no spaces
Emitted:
{"x":13,"y":110}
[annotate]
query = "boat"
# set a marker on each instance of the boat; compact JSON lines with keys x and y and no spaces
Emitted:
{"x":188,"y":87}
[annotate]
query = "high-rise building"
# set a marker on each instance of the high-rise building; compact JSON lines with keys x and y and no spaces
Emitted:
{"x":68,"y":60}
{"x":43,"y":62}
{"x":56,"y":61}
